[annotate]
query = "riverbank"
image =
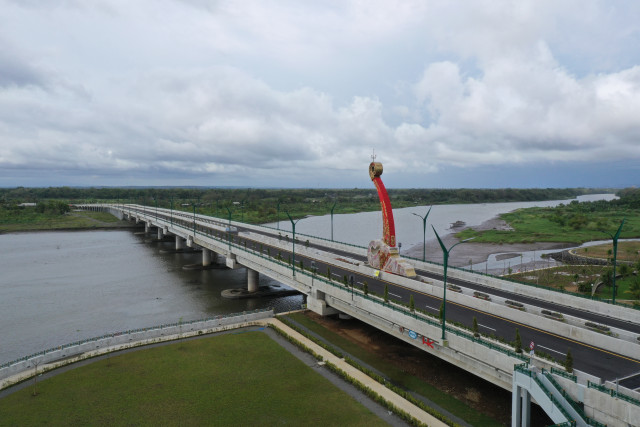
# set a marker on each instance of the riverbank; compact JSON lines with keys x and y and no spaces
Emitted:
{"x":71,"y":221}
{"x":88,"y":390}
{"x":474,"y":253}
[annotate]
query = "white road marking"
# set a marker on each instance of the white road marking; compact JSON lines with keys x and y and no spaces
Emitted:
{"x":550,"y":349}
{"x":395,"y":295}
{"x":486,"y":327}
{"x":432,"y":308}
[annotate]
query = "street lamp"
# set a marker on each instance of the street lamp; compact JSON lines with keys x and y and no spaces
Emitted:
{"x":615,"y":253}
{"x":445,"y":255}
{"x":293,"y":251}
{"x":278,"y":214}
{"x":229,"y":227}
{"x":332,"y":208}
{"x":171,"y":211}
{"x":194,"y":222}
{"x":424,"y":232}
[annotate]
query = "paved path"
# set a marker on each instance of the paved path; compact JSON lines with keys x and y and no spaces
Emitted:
{"x":398,"y":401}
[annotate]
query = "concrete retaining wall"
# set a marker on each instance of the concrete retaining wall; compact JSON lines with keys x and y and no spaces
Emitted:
{"x":72,"y":352}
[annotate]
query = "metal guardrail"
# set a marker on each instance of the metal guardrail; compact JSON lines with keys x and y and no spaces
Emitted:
{"x":564,"y":374}
{"x":129,"y":331}
{"x":613,"y":393}
{"x":374,"y":299}
{"x":553,"y":399}
{"x":589,"y":297}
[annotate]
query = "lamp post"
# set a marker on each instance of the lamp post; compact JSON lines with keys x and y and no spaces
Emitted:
{"x":278,"y":214}
{"x":445,"y":256}
{"x":424,"y":233}
{"x":171,"y":210}
{"x":615,"y":253}
{"x":194,"y":222}
{"x":293,"y":251}
{"x":242,"y":210}
{"x":229,"y":227}
{"x":155,"y":199}
{"x":332,"y":208}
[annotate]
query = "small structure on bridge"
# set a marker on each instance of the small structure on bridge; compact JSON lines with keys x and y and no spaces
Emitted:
{"x":383,"y":254}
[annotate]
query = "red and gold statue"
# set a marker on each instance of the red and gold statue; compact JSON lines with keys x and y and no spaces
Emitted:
{"x":383,"y":254}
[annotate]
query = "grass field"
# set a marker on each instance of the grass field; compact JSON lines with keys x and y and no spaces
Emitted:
{"x":398,"y":376}
{"x":235,"y":379}
{"x":539,"y":225}
{"x":29,"y":220}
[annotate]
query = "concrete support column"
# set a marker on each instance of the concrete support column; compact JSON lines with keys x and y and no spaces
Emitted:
{"x":206,"y":257}
{"x":160,"y":233}
{"x":516,"y":406}
{"x":147,"y":227}
{"x":179,"y":243}
{"x":526,"y":408}
{"x":316,"y":303}
{"x":520,"y":407}
{"x":253,"y":279}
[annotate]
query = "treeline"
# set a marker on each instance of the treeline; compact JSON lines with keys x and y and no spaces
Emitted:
{"x":269,"y":205}
{"x":402,"y":196}
{"x":596,"y":215}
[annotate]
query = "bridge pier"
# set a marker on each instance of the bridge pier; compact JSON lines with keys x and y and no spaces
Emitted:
{"x":180,"y":243}
{"x":147,"y":227}
{"x":160,"y":233}
{"x":520,"y":407}
{"x":253,"y":280}
{"x":209,"y":257}
{"x":316,"y":303}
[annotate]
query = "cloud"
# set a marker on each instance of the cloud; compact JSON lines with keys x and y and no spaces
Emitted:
{"x":284,"y":90}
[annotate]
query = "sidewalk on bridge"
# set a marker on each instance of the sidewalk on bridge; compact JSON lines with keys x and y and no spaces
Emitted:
{"x":398,"y":401}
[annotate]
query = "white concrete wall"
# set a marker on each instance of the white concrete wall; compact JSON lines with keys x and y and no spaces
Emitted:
{"x":125,"y":338}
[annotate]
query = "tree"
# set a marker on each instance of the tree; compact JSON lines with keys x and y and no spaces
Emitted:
{"x":386,"y":293}
{"x":412,"y":304}
{"x":568,"y":362}
{"x":475,"y":329}
{"x":518,"y":343}
{"x":441,"y":311}
{"x":634,"y":288}
{"x":365,"y":288}
{"x":35,"y":376}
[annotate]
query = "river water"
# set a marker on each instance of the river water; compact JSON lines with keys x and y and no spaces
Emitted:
{"x":59,"y":287}
{"x":360,"y":229}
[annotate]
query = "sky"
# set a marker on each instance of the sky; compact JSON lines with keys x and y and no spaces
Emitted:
{"x":264,"y":93}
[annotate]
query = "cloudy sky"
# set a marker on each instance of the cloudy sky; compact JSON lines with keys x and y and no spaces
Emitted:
{"x":298,"y":93}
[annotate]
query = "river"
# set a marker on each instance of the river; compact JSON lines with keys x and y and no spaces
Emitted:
{"x":59,"y":287}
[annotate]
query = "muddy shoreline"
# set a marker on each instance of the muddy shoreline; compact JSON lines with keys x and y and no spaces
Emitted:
{"x":480,"y":252}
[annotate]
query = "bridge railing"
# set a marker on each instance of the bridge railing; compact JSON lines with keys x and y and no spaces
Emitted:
{"x":613,"y":393}
{"x":132,"y":331}
{"x":519,"y":282}
{"x":423,"y":317}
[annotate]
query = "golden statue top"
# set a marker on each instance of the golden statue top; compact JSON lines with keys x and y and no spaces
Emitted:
{"x":375,"y":170}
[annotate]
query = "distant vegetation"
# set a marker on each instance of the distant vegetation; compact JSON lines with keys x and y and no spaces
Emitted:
{"x":574,"y":222}
{"x":261,"y":205}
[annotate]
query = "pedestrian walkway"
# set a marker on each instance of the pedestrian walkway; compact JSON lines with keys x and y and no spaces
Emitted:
{"x":387,"y":394}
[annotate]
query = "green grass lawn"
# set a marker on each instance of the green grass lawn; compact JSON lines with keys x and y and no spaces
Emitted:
{"x":398,"y":376}
{"x":28,"y":220}
{"x":540,"y":225}
{"x":234,"y":379}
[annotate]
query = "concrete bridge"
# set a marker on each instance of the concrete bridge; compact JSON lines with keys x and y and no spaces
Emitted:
{"x":333,"y":276}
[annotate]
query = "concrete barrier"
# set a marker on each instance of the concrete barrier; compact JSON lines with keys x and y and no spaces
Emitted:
{"x":67,"y":353}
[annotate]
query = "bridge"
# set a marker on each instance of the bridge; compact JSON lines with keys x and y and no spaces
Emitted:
{"x":604,"y":339}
